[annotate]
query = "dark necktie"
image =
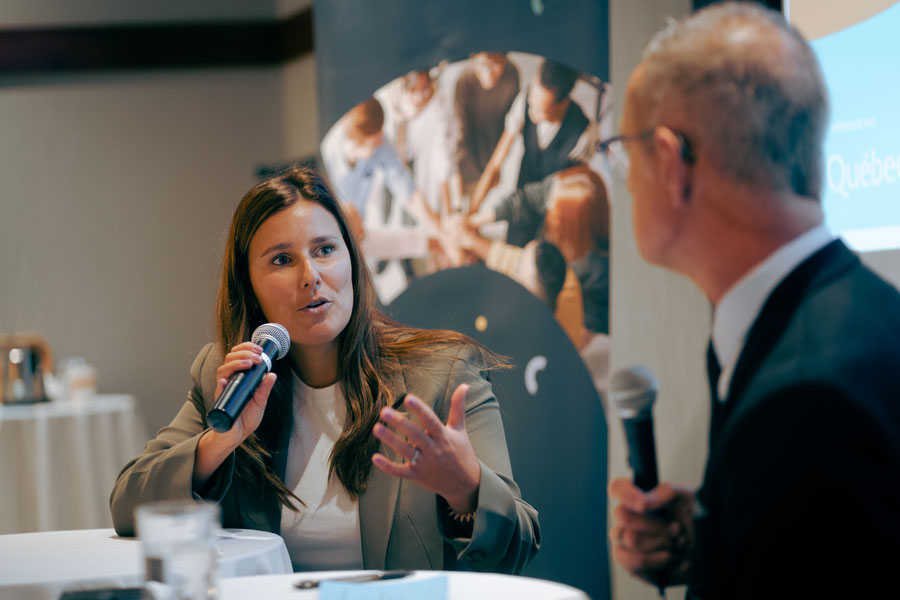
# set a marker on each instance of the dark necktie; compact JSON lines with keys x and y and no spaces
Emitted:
{"x":717,"y":414}
{"x":713,"y":371}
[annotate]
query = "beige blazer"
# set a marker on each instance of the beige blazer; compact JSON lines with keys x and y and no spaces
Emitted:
{"x":403,"y":526}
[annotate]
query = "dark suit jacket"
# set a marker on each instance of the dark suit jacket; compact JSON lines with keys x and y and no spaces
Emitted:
{"x":801,"y":495}
{"x":403,"y":526}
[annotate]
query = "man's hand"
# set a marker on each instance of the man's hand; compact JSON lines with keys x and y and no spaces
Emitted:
{"x":652,"y":532}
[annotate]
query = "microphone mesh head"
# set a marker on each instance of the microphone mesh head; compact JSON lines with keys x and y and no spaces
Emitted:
{"x":275,"y":332}
{"x":632,"y":390}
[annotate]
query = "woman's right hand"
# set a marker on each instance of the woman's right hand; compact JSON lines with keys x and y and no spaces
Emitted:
{"x":241,"y":358}
{"x":215,"y":447}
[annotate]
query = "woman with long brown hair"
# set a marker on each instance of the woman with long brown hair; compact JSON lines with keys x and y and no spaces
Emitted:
{"x":356,"y":391}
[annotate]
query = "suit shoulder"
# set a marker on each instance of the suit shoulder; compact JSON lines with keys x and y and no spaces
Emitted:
{"x":850,"y":322}
{"x":842,"y":342}
{"x":428,"y":358}
{"x":860,"y":296}
{"x":437,"y":365}
{"x":446,"y":356}
{"x":203,"y":370}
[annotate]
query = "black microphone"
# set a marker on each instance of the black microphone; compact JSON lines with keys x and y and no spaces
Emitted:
{"x":275,"y":343}
{"x":632,"y":392}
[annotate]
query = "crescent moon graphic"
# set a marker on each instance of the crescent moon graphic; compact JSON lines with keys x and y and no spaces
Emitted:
{"x":535,"y":365}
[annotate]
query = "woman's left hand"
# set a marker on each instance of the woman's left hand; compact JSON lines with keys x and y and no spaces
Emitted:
{"x":438,"y":457}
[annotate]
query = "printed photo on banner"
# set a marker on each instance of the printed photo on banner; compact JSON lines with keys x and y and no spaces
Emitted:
{"x":486,"y":160}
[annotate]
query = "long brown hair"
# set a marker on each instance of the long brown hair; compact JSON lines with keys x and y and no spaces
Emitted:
{"x":579,"y":214}
{"x":371,"y":346}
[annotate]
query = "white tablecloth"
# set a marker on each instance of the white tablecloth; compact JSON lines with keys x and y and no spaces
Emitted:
{"x":59,"y":460}
{"x":40,"y":566}
{"x":460,"y":586}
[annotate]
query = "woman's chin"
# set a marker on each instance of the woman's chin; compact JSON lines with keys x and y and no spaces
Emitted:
{"x":314,"y":342}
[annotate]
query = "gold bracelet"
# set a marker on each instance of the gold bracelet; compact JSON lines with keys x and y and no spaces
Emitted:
{"x":461,"y":517}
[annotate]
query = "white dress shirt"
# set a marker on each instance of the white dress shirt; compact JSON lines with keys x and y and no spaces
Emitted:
{"x":741,"y":304}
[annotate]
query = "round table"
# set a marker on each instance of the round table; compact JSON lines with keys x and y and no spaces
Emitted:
{"x":40,"y":566}
{"x":59,"y":460}
{"x":460,"y":586}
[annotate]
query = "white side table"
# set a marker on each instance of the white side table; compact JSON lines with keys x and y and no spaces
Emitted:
{"x":41,"y":565}
{"x":59,"y":460}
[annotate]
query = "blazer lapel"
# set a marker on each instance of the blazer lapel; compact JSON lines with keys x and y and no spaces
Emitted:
{"x":279,"y":464}
{"x":378,"y":503}
{"x":251,"y":507}
{"x":278,"y":430}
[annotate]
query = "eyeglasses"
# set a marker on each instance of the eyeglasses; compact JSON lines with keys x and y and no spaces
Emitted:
{"x":617,"y":159}
{"x":606,"y":146}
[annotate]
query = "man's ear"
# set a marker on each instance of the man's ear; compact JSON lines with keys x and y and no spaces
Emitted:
{"x":672,"y":169}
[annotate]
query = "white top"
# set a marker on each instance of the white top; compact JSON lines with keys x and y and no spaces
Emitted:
{"x":324,"y":534}
{"x":739,"y":307}
{"x":546,"y":131}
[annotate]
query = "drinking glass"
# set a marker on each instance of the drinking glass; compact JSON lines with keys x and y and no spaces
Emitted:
{"x":178,"y":543}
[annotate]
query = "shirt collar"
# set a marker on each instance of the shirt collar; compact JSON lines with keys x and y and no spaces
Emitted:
{"x":739,"y":307}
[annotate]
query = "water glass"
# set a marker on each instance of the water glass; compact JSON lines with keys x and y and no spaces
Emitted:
{"x":178,"y":543}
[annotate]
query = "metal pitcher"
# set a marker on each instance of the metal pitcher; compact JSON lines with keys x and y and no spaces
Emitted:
{"x":26,"y":360}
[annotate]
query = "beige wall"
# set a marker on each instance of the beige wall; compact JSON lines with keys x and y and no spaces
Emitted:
{"x":115,"y":192}
{"x":116,"y":189}
{"x":658,"y":319}
{"x":300,"y":108}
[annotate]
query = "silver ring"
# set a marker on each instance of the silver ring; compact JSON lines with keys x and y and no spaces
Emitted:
{"x":415,"y":457}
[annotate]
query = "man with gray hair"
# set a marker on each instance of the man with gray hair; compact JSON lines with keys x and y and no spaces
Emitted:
{"x":723,"y":124}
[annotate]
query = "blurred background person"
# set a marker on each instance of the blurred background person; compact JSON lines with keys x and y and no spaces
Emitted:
{"x":570,"y":209}
{"x":362,"y":165}
{"x":555,"y":132}
{"x":377,"y":192}
{"x":483,"y":96}
{"x":417,"y":124}
{"x":577,"y":221}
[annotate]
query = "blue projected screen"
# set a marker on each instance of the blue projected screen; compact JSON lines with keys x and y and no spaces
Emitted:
{"x":858,"y":46}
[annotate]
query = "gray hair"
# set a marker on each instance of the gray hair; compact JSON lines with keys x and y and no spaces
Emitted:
{"x":751,"y":89}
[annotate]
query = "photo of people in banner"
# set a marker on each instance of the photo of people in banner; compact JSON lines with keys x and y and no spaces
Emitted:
{"x":490,"y":159}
